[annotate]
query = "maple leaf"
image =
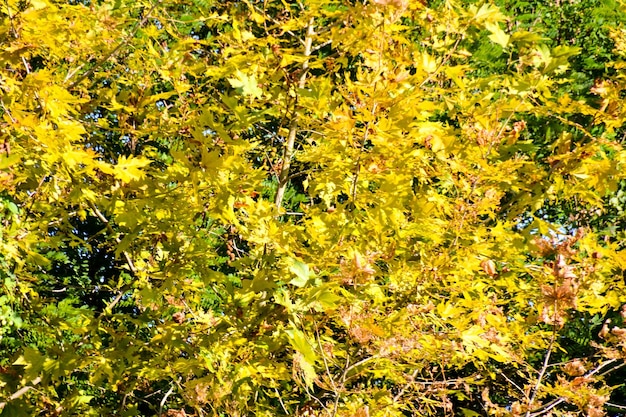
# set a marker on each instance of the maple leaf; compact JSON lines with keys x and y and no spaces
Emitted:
{"x":246,"y":84}
{"x":127,"y":169}
{"x":497,"y":34}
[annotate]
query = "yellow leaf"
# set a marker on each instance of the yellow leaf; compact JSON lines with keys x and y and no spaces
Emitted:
{"x":38,"y":4}
{"x":429,"y":63}
{"x":127,"y":169}
{"x":487,"y":12}
{"x":497,"y":34}
{"x":247,"y":84}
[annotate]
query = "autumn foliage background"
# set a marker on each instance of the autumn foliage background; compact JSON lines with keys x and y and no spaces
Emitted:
{"x":312,"y":208}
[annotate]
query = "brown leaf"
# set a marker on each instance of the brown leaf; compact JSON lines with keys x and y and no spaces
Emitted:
{"x":179,"y":317}
{"x":575,"y":368}
{"x":400,"y":4}
{"x":605,"y":329}
{"x":489,"y":267}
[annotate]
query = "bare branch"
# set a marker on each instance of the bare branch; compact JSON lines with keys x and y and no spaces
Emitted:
{"x":621,"y":365}
{"x":17,"y":394}
{"x":406,"y":386}
{"x":283,"y":177}
{"x":280,"y":400}
{"x":164,"y":399}
{"x":321,"y":45}
{"x":279,"y":24}
{"x":549,"y":406}
{"x":357,"y":164}
{"x":542,"y":372}
{"x":503,"y":375}
{"x":443,"y":62}
{"x":619,"y":407}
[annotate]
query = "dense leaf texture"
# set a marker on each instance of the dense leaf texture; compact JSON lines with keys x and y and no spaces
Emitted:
{"x":329,"y":208}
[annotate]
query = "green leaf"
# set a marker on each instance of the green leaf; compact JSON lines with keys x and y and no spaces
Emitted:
{"x":469,"y":413}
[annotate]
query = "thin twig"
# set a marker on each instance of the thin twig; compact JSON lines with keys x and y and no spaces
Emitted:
{"x":280,"y":400}
{"x":343,"y":383}
{"x":26,"y":66}
{"x":512,"y":383}
{"x":104,"y":220}
{"x":32,"y":196}
{"x":547,"y":407}
{"x":272,"y":166}
{"x":446,"y":382}
{"x":361,"y":362}
{"x":621,"y":365}
{"x":502,"y":128}
{"x":542,"y":372}
{"x":319,"y":343}
{"x":573,"y":124}
{"x":73,"y":72}
{"x":321,"y":45}
{"x":280,"y":25}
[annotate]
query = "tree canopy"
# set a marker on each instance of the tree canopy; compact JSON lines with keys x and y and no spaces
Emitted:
{"x":312,"y":208}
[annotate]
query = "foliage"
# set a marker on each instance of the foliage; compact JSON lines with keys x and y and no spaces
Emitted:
{"x":329,"y":208}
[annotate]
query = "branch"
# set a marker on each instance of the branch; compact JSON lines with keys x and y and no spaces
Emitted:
{"x":321,"y":45}
{"x":129,"y":260}
{"x":330,"y":376}
{"x":115,"y":50}
{"x":573,"y":124}
{"x":104,"y":220}
{"x":619,"y":407}
{"x":608,"y":370}
{"x":280,"y":399}
{"x":17,"y":394}
{"x":343,"y":383}
{"x":406,"y":386}
{"x":279,"y":24}
{"x":361,"y":362}
{"x":164,"y":399}
{"x":444,"y":61}
{"x":542,"y":372}
{"x":283,"y":177}
{"x":510,"y":381}
{"x":357,"y":164}
{"x":11,"y":17}
{"x":547,"y":407}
